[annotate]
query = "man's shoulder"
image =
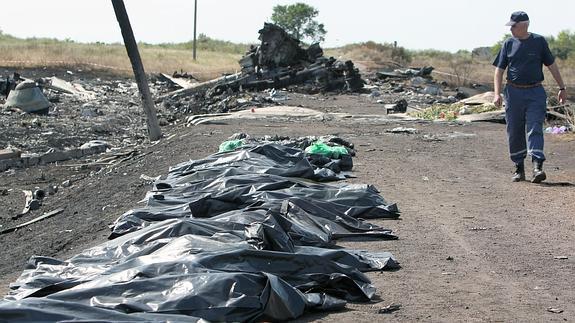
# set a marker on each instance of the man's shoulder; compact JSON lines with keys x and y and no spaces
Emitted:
{"x":537,"y":36}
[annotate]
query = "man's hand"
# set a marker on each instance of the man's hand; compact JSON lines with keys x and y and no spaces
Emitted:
{"x":562,"y":96}
{"x":497,"y":80}
{"x":497,"y":100}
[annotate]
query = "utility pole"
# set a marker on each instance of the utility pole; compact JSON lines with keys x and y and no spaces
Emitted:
{"x":195,"y":16}
{"x":154,"y":131}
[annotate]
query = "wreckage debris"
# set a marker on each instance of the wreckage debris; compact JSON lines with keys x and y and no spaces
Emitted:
{"x":398,"y":107}
{"x":9,"y":83}
{"x":17,"y":160}
{"x":278,"y":62}
{"x":406,"y":73}
{"x":40,"y":218}
{"x":476,"y":108}
{"x":402,"y":130}
{"x":80,"y":111}
{"x":564,"y":114}
{"x":9,"y":153}
{"x":412,"y":88}
{"x":183,"y":75}
{"x":28,"y":97}
{"x":238,"y":236}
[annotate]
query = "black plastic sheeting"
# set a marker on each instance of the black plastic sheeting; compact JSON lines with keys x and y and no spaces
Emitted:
{"x":246,"y":235}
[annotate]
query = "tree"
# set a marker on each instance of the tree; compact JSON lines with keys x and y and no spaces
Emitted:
{"x":298,"y":21}
{"x":497,"y":47}
{"x":562,"y":45}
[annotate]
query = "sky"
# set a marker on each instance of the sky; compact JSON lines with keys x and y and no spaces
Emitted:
{"x":448,"y":25}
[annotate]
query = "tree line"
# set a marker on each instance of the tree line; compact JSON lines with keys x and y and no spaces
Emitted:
{"x":562,"y":45}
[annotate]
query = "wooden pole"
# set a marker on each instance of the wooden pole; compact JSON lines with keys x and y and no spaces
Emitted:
{"x":195,"y":16}
{"x":154,"y":131}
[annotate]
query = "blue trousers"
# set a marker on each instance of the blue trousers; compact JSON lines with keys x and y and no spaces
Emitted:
{"x":525,"y":111}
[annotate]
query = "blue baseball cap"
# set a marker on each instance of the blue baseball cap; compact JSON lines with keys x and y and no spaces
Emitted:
{"x":517,"y":16}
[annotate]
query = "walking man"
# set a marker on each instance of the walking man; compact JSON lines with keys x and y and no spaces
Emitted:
{"x":524,"y":55}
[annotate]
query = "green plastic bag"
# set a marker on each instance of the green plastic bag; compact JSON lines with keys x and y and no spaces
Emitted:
{"x":230,"y":145}
{"x":321,"y":148}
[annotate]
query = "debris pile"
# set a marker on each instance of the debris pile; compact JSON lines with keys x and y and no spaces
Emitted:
{"x":48,"y":119}
{"x":561,"y":117}
{"x":414,"y":89}
{"x":476,"y":108}
{"x":242,"y":236}
{"x":278,"y":62}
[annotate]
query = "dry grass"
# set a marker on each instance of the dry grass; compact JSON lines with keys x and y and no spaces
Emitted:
{"x":208,"y":65}
{"x":372,"y":56}
{"x":38,"y":53}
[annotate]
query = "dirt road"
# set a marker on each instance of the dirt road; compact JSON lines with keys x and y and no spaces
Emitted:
{"x":473,"y":246}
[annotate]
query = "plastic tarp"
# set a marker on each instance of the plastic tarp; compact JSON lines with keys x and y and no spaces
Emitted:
{"x":238,"y":236}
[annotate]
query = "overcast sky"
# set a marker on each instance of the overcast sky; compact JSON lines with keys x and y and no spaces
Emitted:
{"x":415,"y":24}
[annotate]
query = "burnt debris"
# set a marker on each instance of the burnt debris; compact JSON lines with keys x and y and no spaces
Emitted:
{"x":8,"y":84}
{"x":278,"y":62}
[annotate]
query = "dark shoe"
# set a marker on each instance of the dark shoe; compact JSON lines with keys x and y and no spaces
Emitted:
{"x":538,"y":173}
{"x":519,"y":174}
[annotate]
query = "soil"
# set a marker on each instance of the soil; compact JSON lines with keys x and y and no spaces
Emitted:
{"x":473,"y":246}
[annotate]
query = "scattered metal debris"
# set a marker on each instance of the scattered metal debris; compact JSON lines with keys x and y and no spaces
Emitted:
{"x":39,"y":194}
{"x":31,"y":204}
{"x":406,"y":73}
{"x":52,"y":189}
{"x":389,"y":309}
{"x":399,"y":106}
{"x":402,"y":130}
{"x":52,"y":155}
{"x":40,"y":218}
{"x":9,"y":153}
{"x":9,"y":83}
{"x":554,"y":310}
